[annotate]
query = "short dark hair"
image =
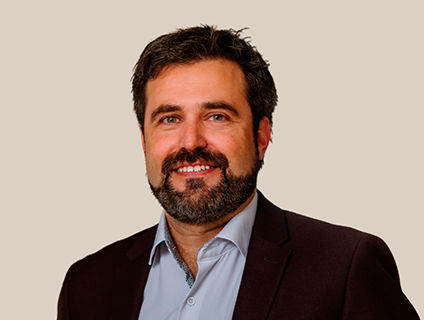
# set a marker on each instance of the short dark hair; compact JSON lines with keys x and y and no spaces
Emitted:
{"x":201,"y":43}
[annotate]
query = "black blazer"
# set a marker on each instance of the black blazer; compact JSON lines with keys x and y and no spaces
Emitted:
{"x":297,"y":268}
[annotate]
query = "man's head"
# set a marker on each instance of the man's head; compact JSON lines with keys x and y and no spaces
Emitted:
{"x":204,"y":99}
{"x":189,"y":45}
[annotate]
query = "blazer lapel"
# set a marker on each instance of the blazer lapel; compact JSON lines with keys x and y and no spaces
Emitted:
{"x":138,"y":256}
{"x":267,"y":258}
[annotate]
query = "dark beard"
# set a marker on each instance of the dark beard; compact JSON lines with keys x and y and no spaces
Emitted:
{"x":199,"y":203}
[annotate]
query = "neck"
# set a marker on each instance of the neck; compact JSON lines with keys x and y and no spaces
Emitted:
{"x":189,"y":238}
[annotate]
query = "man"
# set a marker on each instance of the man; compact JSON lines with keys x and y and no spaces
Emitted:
{"x":204,"y":99}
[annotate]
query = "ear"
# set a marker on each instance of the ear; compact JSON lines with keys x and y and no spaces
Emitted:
{"x":263,"y":136}
{"x":142,"y":140}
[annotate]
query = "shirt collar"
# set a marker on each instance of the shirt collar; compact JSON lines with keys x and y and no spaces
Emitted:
{"x":160,"y":237}
{"x":237,"y":230}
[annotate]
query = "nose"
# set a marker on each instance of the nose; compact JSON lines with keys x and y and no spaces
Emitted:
{"x":193,"y":136}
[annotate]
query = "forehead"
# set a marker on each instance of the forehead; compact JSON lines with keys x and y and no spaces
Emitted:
{"x":198,"y":82}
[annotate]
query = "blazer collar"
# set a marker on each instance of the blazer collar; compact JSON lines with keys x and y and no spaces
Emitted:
{"x":138,"y":270}
{"x":267,"y":258}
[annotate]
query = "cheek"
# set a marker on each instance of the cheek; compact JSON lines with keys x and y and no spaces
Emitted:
{"x":155,"y":152}
{"x":159,"y":146}
{"x":239,"y":150}
{"x":246,"y":157}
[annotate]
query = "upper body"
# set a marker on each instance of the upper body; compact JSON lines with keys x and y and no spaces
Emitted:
{"x":296,"y":268}
{"x":204,"y":99}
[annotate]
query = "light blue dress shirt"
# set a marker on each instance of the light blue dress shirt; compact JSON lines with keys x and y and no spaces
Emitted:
{"x":172,"y":293}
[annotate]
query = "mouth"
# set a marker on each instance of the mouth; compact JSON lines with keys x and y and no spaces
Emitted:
{"x":195,"y":168}
{"x":190,"y":163}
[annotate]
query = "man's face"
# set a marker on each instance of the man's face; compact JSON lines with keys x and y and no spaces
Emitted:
{"x":198,"y":140}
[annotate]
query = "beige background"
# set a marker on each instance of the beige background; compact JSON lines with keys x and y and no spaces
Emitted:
{"x":348,"y":135}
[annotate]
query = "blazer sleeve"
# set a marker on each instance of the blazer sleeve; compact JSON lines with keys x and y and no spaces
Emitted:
{"x":373,"y":289}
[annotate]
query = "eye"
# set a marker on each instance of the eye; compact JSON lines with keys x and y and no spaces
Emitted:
{"x":217,"y":117}
{"x":169,"y":120}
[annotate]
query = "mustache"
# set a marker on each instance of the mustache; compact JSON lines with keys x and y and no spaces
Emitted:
{"x":215,"y":159}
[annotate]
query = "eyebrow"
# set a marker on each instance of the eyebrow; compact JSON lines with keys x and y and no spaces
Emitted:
{"x":164,"y":108}
{"x":220,"y":105}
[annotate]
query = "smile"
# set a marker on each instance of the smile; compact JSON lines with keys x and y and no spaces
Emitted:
{"x":193,"y":169}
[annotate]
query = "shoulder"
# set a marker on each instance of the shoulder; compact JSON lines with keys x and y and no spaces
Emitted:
{"x":301,"y":225}
{"x":338,"y":241}
{"x":322,"y":239}
{"x":110,"y":277}
{"x":116,"y":254}
{"x":304,"y":228}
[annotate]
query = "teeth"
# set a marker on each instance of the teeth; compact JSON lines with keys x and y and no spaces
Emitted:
{"x":193,"y":169}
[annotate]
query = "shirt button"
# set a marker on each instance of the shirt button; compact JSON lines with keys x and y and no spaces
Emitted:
{"x":191,"y":301}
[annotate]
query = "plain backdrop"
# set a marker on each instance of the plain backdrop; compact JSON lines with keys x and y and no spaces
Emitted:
{"x":347,"y":145}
